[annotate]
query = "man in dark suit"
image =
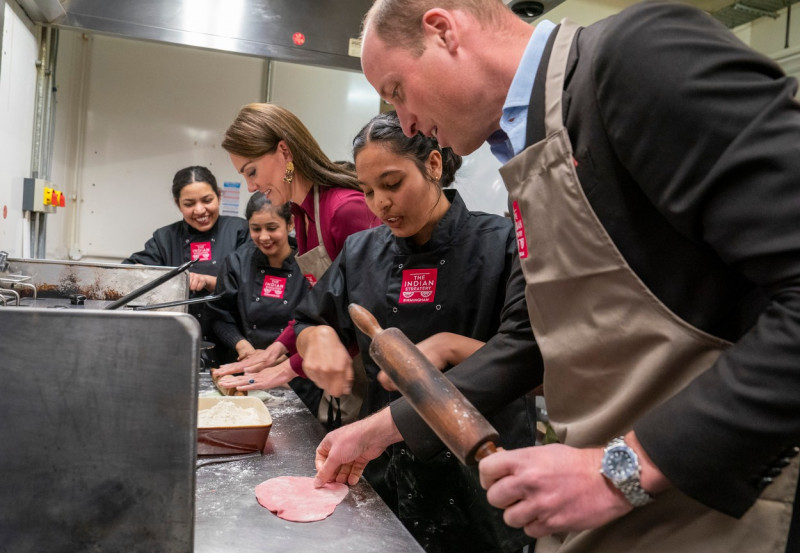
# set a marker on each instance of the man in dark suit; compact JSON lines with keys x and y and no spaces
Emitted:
{"x":684,"y":145}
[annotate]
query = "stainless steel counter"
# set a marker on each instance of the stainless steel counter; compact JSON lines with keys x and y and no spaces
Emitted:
{"x":229,"y":519}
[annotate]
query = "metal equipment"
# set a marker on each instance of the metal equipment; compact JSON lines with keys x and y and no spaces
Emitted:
{"x":99,"y":431}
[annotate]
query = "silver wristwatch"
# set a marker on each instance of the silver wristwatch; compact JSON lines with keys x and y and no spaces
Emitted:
{"x":621,"y":466}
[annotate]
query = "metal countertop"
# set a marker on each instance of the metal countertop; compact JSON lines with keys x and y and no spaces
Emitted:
{"x":228,"y":518}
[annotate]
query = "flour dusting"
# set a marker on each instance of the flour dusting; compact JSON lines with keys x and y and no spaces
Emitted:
{"x":225,"y":413}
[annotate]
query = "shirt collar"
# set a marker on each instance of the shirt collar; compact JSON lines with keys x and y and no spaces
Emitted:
{"x":514,"y":120}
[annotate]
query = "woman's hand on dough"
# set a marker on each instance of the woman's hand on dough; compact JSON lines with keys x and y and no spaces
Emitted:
{"x":269,"y":378}
{"x":244,"y":349}
{"x":257,"y":361}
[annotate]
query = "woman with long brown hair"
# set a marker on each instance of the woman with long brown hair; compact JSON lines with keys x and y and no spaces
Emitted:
{"x":277,"y":155}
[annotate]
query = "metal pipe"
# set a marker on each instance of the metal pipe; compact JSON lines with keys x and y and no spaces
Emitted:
{"x":42,"y":129}
{"x":34,"y":234}
{"x":39,"y":108}
{"x":76,"y":155}
{"x":788,"y":25}
{"x":26,"y":285}
{"x":50,"y":115}
{"x":268,"y":81}
{"x":41,"y":251}
{"x":7,"y":291}
{"x":2,"y":28}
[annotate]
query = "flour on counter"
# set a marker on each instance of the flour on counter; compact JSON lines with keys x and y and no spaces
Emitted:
{"x":225,"y":413}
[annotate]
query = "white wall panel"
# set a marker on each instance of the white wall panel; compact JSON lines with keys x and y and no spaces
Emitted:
{"x":148,"y":110}
{"x":17,"y":95}
{"x":334,"y":104}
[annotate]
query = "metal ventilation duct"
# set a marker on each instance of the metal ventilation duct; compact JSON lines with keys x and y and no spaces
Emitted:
{"x":42,"y":11}
{"x":743,"y":12}
{"x":313,"y":32}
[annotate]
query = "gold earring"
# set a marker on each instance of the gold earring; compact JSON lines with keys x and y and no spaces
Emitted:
{"x":288,"y":177}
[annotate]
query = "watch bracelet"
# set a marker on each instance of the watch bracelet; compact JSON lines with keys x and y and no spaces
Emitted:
{"x":635,"y":494}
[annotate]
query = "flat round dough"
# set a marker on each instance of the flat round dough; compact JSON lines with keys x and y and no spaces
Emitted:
{"x":295,"y":498}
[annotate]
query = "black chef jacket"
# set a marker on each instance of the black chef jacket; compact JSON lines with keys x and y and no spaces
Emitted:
{"x":257,"y":300}
{"x":175,"y":244}
{"x":256,"y":304}
{"x":454,"y":283}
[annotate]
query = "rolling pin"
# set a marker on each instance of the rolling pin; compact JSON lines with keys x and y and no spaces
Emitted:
{"x":441,"y":405}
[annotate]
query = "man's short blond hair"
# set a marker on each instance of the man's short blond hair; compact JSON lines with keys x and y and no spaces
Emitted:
{"x":399,"y":22}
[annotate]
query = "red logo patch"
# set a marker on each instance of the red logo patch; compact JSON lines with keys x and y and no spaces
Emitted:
{"x":419,"y":286}
{"x":310,"y":278}
{"x":201,"y":250}
{"x":522,"y":243}
{"x":273,"y":287}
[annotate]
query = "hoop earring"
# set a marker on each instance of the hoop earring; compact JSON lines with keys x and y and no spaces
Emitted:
{"x":288,"y":177}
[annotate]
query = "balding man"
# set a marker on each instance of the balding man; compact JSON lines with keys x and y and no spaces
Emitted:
{"x":652,"y":162}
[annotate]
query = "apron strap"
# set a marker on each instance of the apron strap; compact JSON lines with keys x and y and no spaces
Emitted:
{"x":316,"y":216}
{"x":334,"y":413}
{"x":535,"y":128}
{"x":556,"y":72}
{"x":540,"y":124}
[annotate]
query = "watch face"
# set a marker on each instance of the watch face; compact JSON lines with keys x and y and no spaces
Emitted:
{"x":619,"y":464}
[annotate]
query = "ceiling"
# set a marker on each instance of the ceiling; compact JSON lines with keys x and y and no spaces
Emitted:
{"x":315,"y":32}
{"x":731,"y":13}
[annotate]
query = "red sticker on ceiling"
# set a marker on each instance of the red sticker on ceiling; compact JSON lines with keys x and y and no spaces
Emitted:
{"x":299,"y":38}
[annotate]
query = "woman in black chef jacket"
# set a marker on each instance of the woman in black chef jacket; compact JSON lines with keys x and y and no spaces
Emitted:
{"x":202,"y":234}
{"x":261,"y":284}
{"x":433,"y":267}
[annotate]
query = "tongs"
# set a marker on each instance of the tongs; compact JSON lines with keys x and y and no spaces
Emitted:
{"x":201,"y":299}
{"x":150,"y":285}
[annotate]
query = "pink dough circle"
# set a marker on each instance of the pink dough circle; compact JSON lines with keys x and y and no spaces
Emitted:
{"x":296,"y":499}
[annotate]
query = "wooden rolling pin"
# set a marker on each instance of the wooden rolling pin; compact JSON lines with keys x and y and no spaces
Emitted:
{"x":441,"y":405}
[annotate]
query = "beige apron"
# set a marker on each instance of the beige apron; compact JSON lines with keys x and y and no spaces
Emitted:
{"x":315,"y":261}
{"x":332,"y":410}
{"x":612,"y":351}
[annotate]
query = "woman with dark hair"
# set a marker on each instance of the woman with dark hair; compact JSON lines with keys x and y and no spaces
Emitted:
{"x":433,"y":270}
{"x":277,"y":155}
{"x":260,"y":284}
{"x":202,"y":234}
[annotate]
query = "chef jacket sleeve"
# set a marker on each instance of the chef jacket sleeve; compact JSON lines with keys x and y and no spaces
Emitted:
{"x":721,"y":162}
{"x":227,"y":333}
{"x":152,"y":254}
{"x":508,"y":366}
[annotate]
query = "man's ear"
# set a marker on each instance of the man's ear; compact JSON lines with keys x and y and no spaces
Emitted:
{"x":440,"y":25}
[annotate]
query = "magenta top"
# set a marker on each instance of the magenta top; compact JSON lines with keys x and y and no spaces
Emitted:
{"x":342,"y":212}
